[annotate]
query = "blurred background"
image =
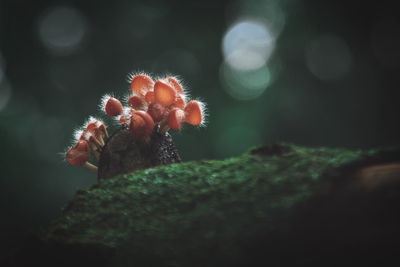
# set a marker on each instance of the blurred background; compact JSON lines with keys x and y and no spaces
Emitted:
{"x":315,"y":73}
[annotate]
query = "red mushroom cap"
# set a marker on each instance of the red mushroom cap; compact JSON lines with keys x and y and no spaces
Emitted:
{"x":137,"y":126}
{"x":79,"y":154}
{"x":149,"y":97}
{"x":175,"y":118}
{"x":113,"y":107}
{"x":193,"y":113}
{"x":156,"y":111}
{"x":89,"y":137}
{"x":95,"y":128}
{"x":179,"y":102}
{"x":175,"y":84}
{"x":141,"y":124}
{"x":135,"y":102}
{"x":164,"y":93}
{"x":123,"y":120}
{"x":92,"y":127}
{"x":140,"y":83}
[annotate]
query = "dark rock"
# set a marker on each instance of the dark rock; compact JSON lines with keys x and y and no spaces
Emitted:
{"x":124,"y":153}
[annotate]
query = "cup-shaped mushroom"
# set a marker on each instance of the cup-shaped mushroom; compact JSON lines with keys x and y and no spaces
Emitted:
{"x":113,"y":107}
{"x":149,"y":97}
{"x":93,"y":127}
{"x":164,"y":93}
{"x":174,"y":82}
{"x":141,"y":83}
{"x":79,"y":154}
{"x":141,"y":124}
{"x":156,"y":111}
{"x":97,"y":128}
{"x":194,"y":112}
{"x":123,"y":120}
{"x":179,"y":102}
{"x":136,"y":102}
{"x":175,"y":118}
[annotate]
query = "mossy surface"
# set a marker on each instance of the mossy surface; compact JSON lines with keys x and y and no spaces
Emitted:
{"x":207,"y":210}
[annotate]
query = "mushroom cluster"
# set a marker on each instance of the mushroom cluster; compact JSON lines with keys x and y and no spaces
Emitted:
{"x":162,"y":105}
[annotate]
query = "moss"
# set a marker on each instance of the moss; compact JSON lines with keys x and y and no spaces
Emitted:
{"x":205,"y":210}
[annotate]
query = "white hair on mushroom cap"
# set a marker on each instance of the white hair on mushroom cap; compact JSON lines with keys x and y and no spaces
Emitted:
{"x":90,"y":120}
{"x":132,"y":74}
{"x":77,"y":135}
{"x":103,"y":101}
{"x":204,"y":113}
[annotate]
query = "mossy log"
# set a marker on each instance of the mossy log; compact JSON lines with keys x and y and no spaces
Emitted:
{"x":273,"y":206}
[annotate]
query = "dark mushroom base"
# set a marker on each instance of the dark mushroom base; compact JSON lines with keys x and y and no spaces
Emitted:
{"x":124,"y":153}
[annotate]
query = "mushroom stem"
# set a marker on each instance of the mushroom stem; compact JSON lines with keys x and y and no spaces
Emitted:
{"x":97,"y":142}
{"x":164,"y":127}
{"x":90,"y":166}
{"x":105,"y":132}
{"x":95,"y":149}
{"x":101,"y":140}
{"x":97,"y":154}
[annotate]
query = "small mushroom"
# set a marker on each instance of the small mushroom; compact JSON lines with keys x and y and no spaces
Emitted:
{"x":125,"y":117}
{"x":174,"y":82}
{"x":164,"y":93}
{"x":156,"y":111}
{"x":93,"y":142}
{"x":141,"y":124}
{"x":179,"y":102}
{"x":141,"y":83}
{"x":79,"y":155}
{"x":194,"y":112}
{"x":111,"y":106}
{"x":175,"y":118}
{"x":97,"y":128}
{"x":149,"y":97}
{"x":90,"y":138}
{"x":136,"y":102}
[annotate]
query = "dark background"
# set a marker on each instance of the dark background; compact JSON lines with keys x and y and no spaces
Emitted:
{"x":315,"y":73}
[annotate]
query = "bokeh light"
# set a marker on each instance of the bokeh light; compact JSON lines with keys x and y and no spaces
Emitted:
{"x":244,"y":84}
{"x":329,"y":58}
{"x":385,"y":42}
{"x":247,"y":45}
{"x":62,"y":29}
{"x":270,"y":11}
